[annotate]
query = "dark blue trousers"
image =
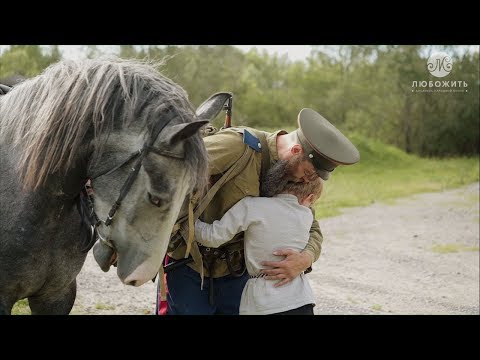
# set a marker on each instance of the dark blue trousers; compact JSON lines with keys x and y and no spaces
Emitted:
{"x":185,"y":297}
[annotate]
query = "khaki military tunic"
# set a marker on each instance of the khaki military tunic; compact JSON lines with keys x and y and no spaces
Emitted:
{"x":224,"y":149}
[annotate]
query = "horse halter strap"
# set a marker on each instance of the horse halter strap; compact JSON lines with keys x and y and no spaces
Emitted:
{"x":141,"y":153}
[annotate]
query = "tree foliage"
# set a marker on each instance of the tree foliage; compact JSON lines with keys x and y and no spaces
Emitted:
{"x":27,"y":60}
{"x":361,"y":89}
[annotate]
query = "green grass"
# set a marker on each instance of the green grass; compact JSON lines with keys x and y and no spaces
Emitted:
{"x":100,"y":306}
{"x":21,"y":308}
{"x":453,"y":248}
{"x":377,"y":307}
{"x":385,"y":173}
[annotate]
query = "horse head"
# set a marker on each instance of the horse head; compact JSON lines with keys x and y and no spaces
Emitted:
{"x":99,"y":119}
{"x":145,"y":193}
{"x":118,"y":124}
{"x":165,"y":196}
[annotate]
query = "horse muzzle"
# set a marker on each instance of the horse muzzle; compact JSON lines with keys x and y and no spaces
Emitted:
{"x":104,"y":255}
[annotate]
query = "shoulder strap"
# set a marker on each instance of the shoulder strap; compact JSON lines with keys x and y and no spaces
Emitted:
{"x":265,"y":151}
{"x":186,"y":227}
{"x":234,"y":170}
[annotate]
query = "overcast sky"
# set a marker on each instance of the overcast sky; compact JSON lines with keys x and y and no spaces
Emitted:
{"x":294,"y":52}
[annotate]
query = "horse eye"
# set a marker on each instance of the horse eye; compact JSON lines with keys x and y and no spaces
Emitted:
{"x":155,"y":200}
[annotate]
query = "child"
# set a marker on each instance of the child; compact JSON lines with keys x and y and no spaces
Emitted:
{"x":269,"y":223}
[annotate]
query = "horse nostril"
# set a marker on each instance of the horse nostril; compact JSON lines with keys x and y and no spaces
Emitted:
{"x":133,"y":282}
{"x":155,"y":200}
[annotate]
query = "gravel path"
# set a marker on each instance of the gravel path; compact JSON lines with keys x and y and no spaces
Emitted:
{"x":418,"y":255}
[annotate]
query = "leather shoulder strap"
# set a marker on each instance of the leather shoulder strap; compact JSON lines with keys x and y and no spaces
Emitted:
{"x":233,"y":171}
{"x":187,"y":226}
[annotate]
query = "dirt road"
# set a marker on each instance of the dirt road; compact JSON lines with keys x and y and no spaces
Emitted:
{"x":418,"y":255}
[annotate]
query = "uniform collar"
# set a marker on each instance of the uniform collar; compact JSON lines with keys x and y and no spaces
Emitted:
{"x":272,"y":145}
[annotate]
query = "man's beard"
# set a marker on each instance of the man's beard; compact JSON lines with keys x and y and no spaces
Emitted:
{"x":279,"y":175}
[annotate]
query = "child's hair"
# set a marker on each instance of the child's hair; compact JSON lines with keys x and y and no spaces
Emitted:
{"x":301,"y":190}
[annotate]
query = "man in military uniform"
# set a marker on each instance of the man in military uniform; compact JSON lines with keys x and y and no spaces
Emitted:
{"x":318,"y":148}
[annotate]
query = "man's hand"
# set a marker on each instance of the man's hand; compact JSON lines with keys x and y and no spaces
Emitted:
{"x":287,"y":269}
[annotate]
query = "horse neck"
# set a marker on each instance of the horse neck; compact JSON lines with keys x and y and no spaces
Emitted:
{"x":71,"y":183}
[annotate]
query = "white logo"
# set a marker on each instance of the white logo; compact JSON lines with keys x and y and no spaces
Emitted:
{"x":439,"y":64}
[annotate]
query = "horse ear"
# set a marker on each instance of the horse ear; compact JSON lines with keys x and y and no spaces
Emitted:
{"x":183,"y":131}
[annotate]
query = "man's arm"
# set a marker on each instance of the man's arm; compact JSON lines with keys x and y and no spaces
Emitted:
{"x":314,"y":246}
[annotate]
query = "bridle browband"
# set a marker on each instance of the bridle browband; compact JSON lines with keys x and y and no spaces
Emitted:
{"x":140,"y":154}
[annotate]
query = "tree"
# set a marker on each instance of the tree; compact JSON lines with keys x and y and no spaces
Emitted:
{"x":27,"y":60}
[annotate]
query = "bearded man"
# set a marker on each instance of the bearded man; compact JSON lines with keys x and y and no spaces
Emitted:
{"x":316,"y":148}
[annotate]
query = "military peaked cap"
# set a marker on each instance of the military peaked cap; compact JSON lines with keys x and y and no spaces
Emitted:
{"x":324,"y":144}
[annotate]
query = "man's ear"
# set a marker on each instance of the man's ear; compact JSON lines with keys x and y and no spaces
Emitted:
{"x":296,"y":149}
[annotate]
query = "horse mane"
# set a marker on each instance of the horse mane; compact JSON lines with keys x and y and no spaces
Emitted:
{"x":48,"y":117}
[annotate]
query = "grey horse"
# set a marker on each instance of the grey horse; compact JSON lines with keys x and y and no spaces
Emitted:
{"x":123,"y":125}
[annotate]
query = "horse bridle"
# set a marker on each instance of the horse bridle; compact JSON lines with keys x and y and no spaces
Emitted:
{"x":140,"y":154}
